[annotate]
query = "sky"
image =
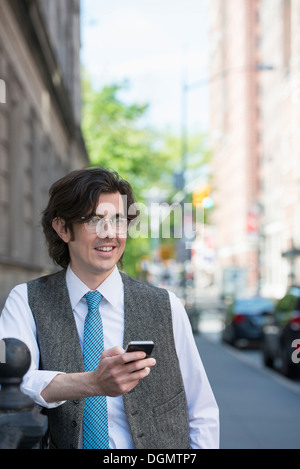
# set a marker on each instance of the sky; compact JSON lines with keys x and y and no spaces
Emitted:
{"x":152,"y":44}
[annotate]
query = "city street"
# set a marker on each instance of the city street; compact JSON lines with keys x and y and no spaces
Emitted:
{"x":259,"y":408}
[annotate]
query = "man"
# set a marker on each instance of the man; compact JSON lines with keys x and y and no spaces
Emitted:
{"x":128,"y":400}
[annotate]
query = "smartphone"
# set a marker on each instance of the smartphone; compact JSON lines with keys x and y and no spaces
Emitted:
{"x":140,"y":345}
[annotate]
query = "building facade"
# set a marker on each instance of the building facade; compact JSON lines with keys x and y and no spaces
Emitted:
{"x":234,"y":138}
{"x":280,"y":139}
{"x":255,"y":118}
{"x":40,"y":115}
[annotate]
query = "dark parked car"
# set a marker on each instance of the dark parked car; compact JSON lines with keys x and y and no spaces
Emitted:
{"x":282,"y":328}
{"x":244,"y":319}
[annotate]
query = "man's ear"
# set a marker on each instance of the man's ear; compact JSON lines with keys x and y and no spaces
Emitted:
{"x":59,"y":225}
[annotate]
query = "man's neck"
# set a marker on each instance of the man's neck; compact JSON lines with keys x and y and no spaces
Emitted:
{"x":91,"y":280}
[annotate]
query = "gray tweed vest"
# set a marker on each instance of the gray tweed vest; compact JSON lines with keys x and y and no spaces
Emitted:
{"x":156,"y":408}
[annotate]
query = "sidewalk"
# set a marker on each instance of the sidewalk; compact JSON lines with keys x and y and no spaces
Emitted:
{"x":256,"y":410}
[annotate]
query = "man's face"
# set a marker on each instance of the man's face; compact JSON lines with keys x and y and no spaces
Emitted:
{"x":94,"y":255}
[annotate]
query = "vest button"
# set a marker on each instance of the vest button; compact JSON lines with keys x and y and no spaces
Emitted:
{"x":74,"y":423}
{"x":76,"y":401}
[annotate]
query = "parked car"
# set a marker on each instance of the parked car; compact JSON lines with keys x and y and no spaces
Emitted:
{"x":282,"y":328}
{"x":244,"y":319}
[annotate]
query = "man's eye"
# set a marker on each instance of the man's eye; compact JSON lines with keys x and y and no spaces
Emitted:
{"x":94,"y":220}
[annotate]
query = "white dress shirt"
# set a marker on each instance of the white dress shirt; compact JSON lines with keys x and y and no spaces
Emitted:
{"x":17,"y":321}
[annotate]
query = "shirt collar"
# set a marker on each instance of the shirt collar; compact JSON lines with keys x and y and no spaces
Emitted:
{"x":111,"y":288}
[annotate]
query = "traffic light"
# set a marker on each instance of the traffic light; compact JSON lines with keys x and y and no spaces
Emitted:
{"x":201,"y":196}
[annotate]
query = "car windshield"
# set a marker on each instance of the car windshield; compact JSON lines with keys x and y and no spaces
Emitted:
{"x":252,"y":305}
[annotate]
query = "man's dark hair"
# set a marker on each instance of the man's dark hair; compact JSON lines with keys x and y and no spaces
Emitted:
{"x":76,"y":195}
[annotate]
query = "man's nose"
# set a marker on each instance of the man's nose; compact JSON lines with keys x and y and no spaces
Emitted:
{"x":106,"y":231}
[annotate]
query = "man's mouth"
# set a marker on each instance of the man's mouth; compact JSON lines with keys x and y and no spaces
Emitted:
{"x":105,"y":248}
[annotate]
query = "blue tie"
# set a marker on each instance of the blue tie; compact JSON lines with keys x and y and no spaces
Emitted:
{"x":95,"y":425}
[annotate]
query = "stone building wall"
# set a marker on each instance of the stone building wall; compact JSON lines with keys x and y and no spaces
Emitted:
{"x":40,"y":136}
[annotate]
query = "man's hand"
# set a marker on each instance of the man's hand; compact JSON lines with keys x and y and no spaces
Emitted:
{"x":118,"y":371}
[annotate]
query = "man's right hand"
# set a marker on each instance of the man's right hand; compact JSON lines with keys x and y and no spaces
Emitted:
{"x":117,"y":373}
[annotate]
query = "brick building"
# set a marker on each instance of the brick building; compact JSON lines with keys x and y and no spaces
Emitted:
{"x":280,"y":144}
{"x":255,"y":119}
{"x":234,"y":136}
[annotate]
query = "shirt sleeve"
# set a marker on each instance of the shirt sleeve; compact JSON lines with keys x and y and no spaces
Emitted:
{"x":202,"y":406}
{"x":16,"y":321}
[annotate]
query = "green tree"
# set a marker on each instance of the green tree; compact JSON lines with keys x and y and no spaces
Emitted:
{"x":116,"y":140}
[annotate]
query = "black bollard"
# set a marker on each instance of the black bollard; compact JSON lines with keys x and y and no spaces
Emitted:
{"x":21,"y":424}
